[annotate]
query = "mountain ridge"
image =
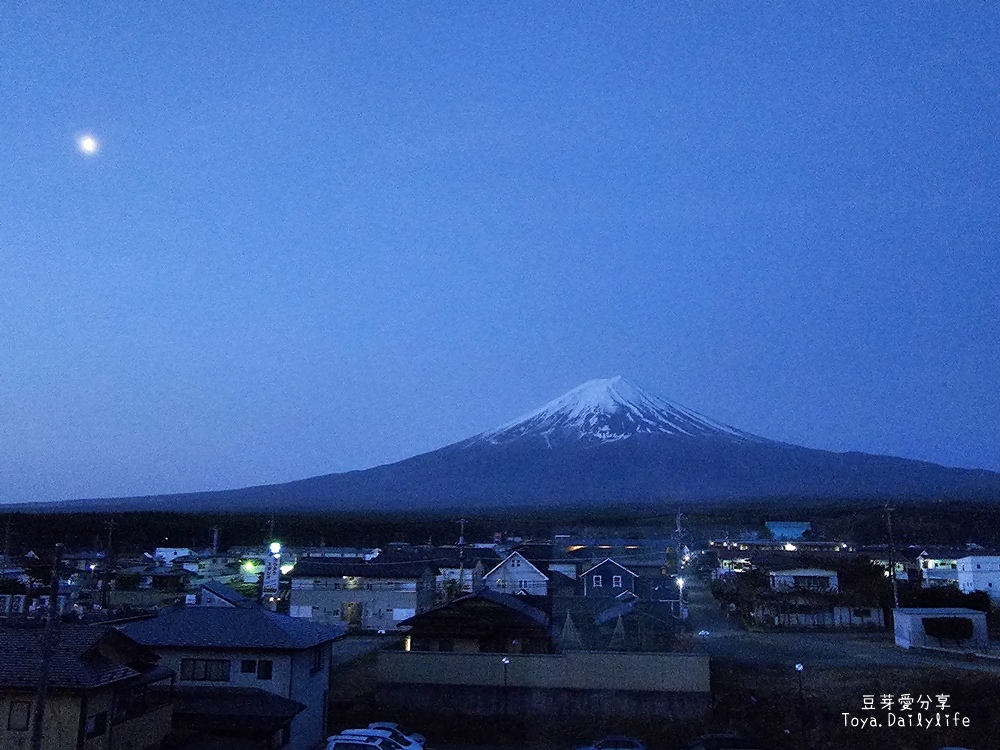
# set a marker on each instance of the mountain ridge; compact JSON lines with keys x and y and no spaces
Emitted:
{"x":602,"y":444}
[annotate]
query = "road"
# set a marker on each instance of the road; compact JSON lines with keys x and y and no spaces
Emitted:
{"x":862,"y":650}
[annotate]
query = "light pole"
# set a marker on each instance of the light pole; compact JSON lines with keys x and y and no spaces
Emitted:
{"x":799,"y":669}
{"x":506,"y":725}
{"x":680,"y":599}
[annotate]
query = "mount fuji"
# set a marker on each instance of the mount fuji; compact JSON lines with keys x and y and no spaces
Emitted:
{"x":605,"y":444}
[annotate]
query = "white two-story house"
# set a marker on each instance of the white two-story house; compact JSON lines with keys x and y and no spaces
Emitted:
{"x":980,"y":573}
{"x":246,"y":656}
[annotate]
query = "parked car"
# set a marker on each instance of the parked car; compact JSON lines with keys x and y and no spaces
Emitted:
{"x":360,"y":742}
{"x":615,"y":742}
{"x":418,"y":738}
{"x":397,"y":738}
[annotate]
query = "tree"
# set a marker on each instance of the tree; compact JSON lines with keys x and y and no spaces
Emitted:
{"x":958,"y":629}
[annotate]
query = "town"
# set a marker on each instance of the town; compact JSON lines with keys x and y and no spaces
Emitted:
{"x":673,"y":634}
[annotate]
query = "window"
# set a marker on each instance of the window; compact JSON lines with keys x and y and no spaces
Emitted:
{"x":205,"y":670}
{"x":598,"y":583}
{"x":317,"y":659}
{"x":616,"y":582}
{"x":97,"y":724}
{"x":522,"y":583}
{"x":515,"y":562}
{"x":19,"y":716}
{"x":261,"y":667}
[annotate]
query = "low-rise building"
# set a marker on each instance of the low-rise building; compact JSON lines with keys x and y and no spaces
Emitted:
{"x":980,"y":573}
{"x":803,"y":579}
{"x":361,"y":595}
{"x":100,"y":690}
{"x":240,"y":652}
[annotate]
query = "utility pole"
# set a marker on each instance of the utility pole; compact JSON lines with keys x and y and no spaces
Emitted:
{"x":215,"y":540}
{"x":48,"y":644}
{"x":461,"y":557}
{"x":6,"y":542}
{"x":892,"y":557}
{"x":106,"y":572}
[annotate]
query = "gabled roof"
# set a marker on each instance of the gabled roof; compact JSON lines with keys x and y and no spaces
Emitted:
{"x":230,"y":628}
{"x":483,"y":612}
{"x":80,"y":658}
{"x":613,"y":562}
{"x":512,"y":554}
{"x":227,"y":594}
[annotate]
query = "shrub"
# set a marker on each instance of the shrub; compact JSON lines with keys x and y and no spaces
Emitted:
{"x":957,"y":629}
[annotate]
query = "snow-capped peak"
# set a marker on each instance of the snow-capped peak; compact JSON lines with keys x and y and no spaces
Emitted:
{"x":608,"y":410}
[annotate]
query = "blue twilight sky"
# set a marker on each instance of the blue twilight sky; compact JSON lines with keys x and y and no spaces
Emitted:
{"x":320,"y":236}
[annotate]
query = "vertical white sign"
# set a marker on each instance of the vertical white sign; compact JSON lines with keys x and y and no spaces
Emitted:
{"x":272,"y":574}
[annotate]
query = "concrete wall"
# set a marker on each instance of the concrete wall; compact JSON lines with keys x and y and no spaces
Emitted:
{"x":579,"y":683}
{"x":581,"y":670}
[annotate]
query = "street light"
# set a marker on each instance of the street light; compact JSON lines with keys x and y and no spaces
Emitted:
{"x":505,"y":661}
{"x":799,"y":669}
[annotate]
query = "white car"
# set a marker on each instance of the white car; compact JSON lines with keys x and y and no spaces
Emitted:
{"x":615,"y":742}
{"x":359,"y":742}
{"x":394,"y":736}
{"x":418,"y":738}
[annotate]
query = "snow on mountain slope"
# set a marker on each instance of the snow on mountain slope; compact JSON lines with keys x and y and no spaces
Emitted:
{"x":603,"y":411}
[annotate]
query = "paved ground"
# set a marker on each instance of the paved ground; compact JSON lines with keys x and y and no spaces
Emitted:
{"x":860,"y":650}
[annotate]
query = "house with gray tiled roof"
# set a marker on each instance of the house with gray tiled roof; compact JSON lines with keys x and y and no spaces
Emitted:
{"x":100,"y":683}
{"x":241,"y":649}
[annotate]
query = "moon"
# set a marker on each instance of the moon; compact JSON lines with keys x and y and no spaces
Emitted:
{"x":88,"y":145}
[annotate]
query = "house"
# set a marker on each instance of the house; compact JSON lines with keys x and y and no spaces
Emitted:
{"x":166,"y":555}
{"x":363,"y":595}
{"x":517,"y":574}
{"x":484,"y":622}
{"x":980,"y":573}
{"x":214,"y":594}
{"x":787,"y":531}
{"x":608,"y":579}
{"x":246,"y":663}
{"x":100,"y":695}
{"x":808,"y":579}
{"x":939,"y":566}
{"x":815,"y":610}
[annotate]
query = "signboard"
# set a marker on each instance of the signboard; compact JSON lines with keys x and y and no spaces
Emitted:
{"x":272,"y":574}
